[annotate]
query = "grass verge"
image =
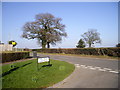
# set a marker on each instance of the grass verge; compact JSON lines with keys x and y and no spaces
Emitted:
{"x":26,"y":75}
{"x":82,"y":55}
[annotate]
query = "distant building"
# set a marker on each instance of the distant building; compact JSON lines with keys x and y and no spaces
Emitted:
{"x":1,"y":43}
{"x":7,"y":47}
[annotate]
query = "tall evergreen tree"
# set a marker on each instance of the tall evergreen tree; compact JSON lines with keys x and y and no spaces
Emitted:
{"x":118,"y":45}
{"x":81,"y":44}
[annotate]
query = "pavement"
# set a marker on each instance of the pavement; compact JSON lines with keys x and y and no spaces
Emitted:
{"x":89,"y":72}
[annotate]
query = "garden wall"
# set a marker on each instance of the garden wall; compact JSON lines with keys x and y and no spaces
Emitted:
{"x":13,"y":56}
{"x":86,"y":51}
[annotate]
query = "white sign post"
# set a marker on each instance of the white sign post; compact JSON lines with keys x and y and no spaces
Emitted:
{"x":43,"y":59}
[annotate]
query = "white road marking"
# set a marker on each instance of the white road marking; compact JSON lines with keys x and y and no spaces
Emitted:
{"x":114,"y":71}
{"x":77,"y":66}
{"x":82,"y":65}
{"x":93,"y":68}
{"x":107,"y":69}
{"x":97,"y":68}
{"x":102,"y":70}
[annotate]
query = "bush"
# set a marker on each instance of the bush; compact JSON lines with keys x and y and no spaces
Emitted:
{"x":86,"y":51}
{"x":13,"y":56}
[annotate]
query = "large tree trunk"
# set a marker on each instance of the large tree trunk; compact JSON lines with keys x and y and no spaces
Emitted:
{"x":44,"y":41}
{"x":43,"y":44}
{"x":89,"y":45}
{"x":48,"y":44}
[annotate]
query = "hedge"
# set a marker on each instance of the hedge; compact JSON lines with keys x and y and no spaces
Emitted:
{"x":13,"y":56}
{"x":86,"y":51}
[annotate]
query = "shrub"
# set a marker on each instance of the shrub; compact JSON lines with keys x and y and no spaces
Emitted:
{"x":86,"y":51}
{"x":13,"y":56}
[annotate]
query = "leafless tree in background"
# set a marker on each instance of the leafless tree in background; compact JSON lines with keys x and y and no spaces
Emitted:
{"x":46,"y":28}
{"x":91,"y":37}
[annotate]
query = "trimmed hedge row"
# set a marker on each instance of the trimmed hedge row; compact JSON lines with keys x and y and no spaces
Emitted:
{"x":13,"y":56}
{"x":86,"y":51}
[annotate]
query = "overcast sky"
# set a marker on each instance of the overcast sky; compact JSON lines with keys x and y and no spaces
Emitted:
{"x":77,"y":16}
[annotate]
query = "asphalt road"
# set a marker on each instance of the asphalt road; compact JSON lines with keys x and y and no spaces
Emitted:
{"x":89,"y":72}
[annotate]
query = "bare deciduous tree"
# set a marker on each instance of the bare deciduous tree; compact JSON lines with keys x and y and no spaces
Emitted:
{"x":46,"y":28}
{"x":91,"y":37}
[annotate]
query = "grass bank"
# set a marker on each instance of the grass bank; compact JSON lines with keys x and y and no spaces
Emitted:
{"x":82,"y":55}
{"x":26,"y":75}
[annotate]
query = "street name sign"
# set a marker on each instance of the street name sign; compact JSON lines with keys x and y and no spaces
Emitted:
{"x":43,"y":59}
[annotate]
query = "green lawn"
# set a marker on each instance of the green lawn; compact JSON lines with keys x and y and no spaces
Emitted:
{"x":26,"y":75}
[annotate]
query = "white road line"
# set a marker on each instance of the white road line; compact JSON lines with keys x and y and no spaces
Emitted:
{"x":101,"y":69}
{"x":93,"y":68}
{"x":114,"y":71}
{"x":77,"y":66}
{"x":82,"y":65}
{"x":107,"y":69}
{"x":97,"y":68}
